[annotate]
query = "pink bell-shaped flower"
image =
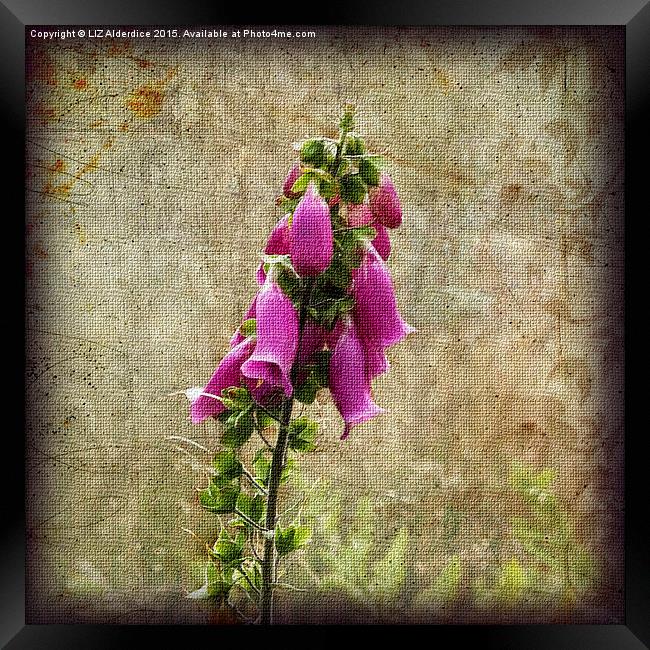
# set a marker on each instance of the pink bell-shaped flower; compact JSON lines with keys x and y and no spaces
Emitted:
{"x":375,"y":306}
{"x":227,"y":374}
{"x":384,"y":203}
{"x":292,"y":177}
{"x":348,"y":378}
{"x":277,"y":326}
{"x":312,"y":241}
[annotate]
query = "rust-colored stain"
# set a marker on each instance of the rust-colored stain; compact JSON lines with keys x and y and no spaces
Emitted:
{"x":81,"y":234}
{"x":60,"y":190}
{"x":80,"y":84}
{"x":58,"y":166}
{"x":442,"y":80}
{"x":124,"y":126}
{"x":146,"y":101}
{"x":46,"y":113}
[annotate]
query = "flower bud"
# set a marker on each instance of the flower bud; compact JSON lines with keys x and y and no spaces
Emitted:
{"x":312,"y":242}
{"x":292,"y":177}
{"x":354,"y":145}
{"x":315,"y":153}
{"x":385,"y":204}
{"x":359,"y":214}
{"x":279,"y":243}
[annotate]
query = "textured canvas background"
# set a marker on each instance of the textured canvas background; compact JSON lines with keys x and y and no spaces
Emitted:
{"x":152,"y":171}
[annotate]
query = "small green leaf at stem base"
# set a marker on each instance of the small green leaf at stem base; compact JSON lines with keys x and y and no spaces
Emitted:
{"x":302,"y":433}
{"x":291,"y":538}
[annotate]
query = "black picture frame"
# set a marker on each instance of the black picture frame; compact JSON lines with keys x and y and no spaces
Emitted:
{"x":16,"y":14}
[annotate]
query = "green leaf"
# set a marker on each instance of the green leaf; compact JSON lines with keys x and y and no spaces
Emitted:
{"x":390,"y":572}
{"x":290,"y":539}
{"x":446,"y":586}
{"x":238,"y":428}
{"x":303,"y":181}
{"x":248,"y":327}
{"x":326,"y":187}
{"x":354,"y":145}
{"x":320,"y":367}
{"x":316,"y":152}
{"x":326,"y":310}
{"x":368,"y":172}
{"x":219,"y":499}
{"x":217,"y":583}
{"x":228,"y":550}
{"x":305,"y":392}
{"x":262,"y":466}
{"x":236,"y":398}
{"x":353,"y":189}
{"x":227,"y":465}
{"x":266,"y":418}
{"x":254,"y":574}
{"x":512,"y":581}
{"x":288,"y":205}
{"x":289,"y":283}
{"x":252,"y":506}
{"x":302,"y":433}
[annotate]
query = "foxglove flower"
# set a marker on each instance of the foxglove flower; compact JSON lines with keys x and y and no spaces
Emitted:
{"x":385,"y":204}
{"x":292,"y":177}
{"x":375,"y":308}
{"x":348,"y":378}
{"x":312,"y":242}
{"x":381,"y":242}
{"x":279,"y":243}
{"x":277,"y":326}
{"x":227,"y":374}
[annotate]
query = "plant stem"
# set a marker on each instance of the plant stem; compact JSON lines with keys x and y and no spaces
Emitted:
{"x":277,"y":465}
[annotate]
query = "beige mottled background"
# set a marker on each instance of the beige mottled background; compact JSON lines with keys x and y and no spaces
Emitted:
{"x":152,"y":172}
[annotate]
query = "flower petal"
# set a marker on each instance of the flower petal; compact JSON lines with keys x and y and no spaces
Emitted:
{"x":375,"y":308}
{"x":381,"y":242}
{"x":227,"y":374}
{"x":238,"y":337}
{"x":348,"y":379}
{"x":277,"y":339}
{"x":292,"y":177}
